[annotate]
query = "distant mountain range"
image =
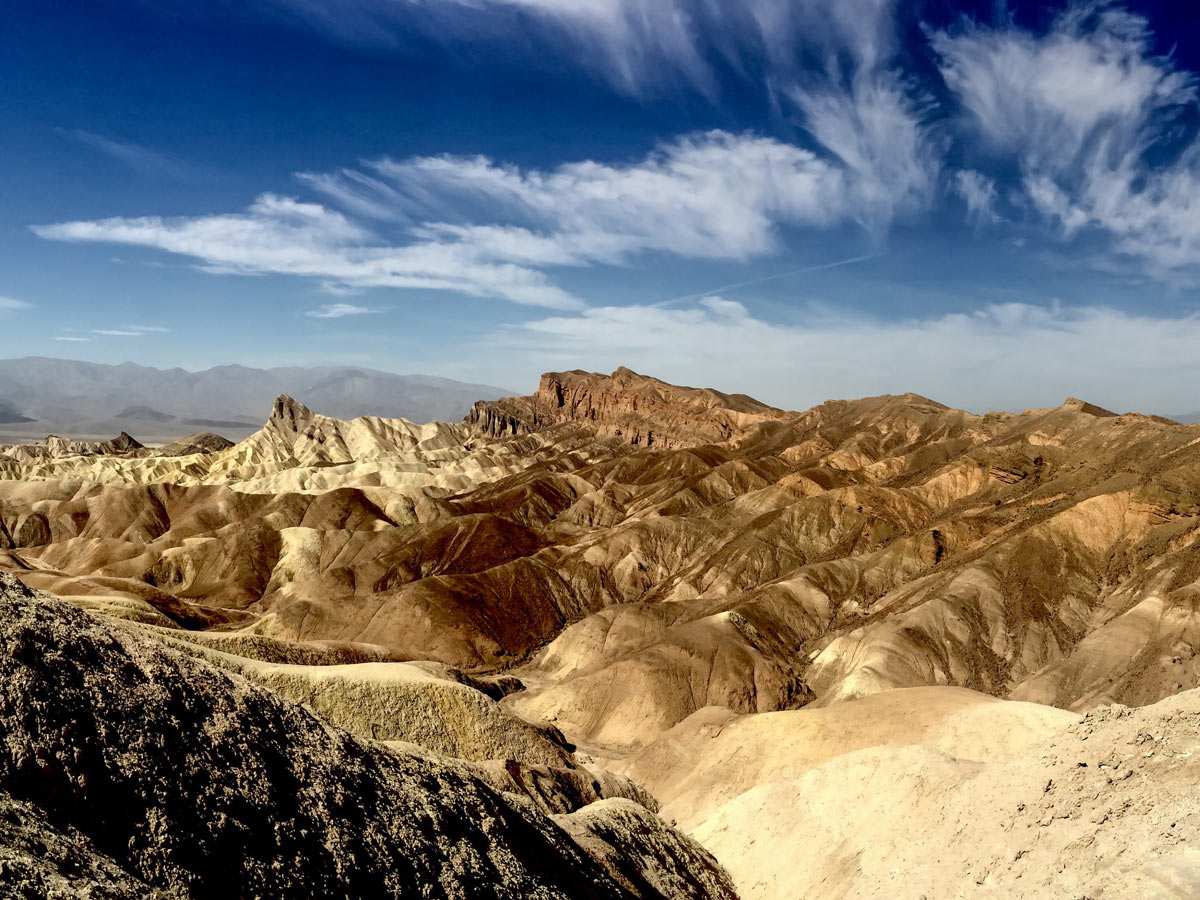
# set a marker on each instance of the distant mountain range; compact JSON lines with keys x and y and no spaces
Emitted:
{"x":40,"y":395}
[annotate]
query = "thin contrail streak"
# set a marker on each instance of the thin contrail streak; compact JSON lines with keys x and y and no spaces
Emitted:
{"x":742,"y":284}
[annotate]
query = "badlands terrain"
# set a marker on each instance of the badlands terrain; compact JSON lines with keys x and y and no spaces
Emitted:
{"x":614,"y":639}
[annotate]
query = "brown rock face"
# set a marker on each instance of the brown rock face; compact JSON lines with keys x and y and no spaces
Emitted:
{"x":629,"y":407}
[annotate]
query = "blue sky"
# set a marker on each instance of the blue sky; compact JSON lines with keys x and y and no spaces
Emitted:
{"x":994,"y":205}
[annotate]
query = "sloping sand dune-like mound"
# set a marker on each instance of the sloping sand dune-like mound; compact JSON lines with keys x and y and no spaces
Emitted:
{"x":1105,"y":807}
{"x":715,"y":755}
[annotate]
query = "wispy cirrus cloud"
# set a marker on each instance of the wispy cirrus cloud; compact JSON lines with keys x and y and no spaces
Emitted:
{"x":492,"y":230}
{"x":12,"y":304}
{"x":978,"y":192}
{"x":135,"y":156}
{"x":714,"y":195}
{"x":1091,"y":82}
{"x":131,"y":331}
{"x":280,"y":235}
{"x":630,"y":41}
{"x":1088,"y":112}
{"x":338,"y":311}
{"x":833,"y":64}
{"x":633,"y":44}
{"x":640,"y":47}
{"x":1081,"y":109}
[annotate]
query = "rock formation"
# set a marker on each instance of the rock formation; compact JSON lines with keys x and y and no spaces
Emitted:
{"x":629,"y":407}
{"x":616,"y":585}
{"x":55,"y":447}
{"x":128,"y":765}
{"x":201,"y":442}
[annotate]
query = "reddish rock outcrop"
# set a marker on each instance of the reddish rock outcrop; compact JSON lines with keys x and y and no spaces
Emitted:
{"x":632,"y":408}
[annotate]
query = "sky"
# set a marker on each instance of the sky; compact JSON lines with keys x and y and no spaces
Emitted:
{"x":994,"y":205}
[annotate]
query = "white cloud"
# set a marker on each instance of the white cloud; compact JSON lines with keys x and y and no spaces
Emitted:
{"x":979,"y":193}
{"x":480,"y":227}
{"x":721,"y":308}
{"x":1150,"y":214}
{"x":148,"y":329}
{"x":1002,"y":356}
{"x":874,"y":127}
{"x":854,"y":101}
{"x":638,"y":46}
{"x":11,"y":304}
{"x":630,"y":41}
{"x":117,"y":332}
{"x":1077,"y":108}
{"x":1080,"y":109}
{"x":133,"y":155}
{"x":1053,"y":201}
{"x":714,"y":195}
{"x":488,"y":229}
{"x":354,"y":191}
{"x":280,"y":235}
{"x":1051,"y":98}
{"x":80,"y":340}
{"x":337,"y":311}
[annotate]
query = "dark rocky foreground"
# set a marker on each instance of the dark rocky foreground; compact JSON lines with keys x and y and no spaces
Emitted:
{"x":129,"y":770}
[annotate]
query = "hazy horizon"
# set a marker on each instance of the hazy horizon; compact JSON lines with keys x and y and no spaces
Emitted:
{"x":30,"y":428}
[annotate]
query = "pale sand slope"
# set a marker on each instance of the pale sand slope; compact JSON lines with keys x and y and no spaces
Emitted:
{"x":714,"y":755}
{"x":940,"y":793}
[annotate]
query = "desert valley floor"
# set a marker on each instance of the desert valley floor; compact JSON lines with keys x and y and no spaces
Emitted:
{"x":614,"y":639}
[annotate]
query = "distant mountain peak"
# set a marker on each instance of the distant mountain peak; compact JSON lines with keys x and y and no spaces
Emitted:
{"x":1074,"y":404}
{"x":289,"y":409}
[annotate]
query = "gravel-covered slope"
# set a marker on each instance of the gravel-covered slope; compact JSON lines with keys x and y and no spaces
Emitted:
{"x":196,"y":782}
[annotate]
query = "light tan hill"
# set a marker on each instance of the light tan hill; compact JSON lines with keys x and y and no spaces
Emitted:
{"x":297,"y":450}
{"x":1102,"y":809}
{"x":55,"y":447}
{"x":716,"y":755}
